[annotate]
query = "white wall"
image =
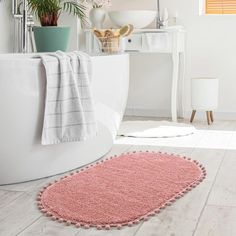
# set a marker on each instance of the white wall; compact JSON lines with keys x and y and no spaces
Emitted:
{"x":6,"y":27}
{"x":211,"y":51}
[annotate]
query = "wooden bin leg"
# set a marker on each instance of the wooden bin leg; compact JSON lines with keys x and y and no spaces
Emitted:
{"x":208,"y":114}
{"x":212,"y":117}
{"x":193,"y":115}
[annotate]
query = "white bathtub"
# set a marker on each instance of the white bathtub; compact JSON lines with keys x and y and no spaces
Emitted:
{"x":22,"y":90}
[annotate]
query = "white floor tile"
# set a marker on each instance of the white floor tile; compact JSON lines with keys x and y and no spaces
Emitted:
{"x":217,"y":221}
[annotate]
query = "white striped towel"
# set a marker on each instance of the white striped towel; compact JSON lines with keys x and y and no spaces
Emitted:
{"x":69,"y":114}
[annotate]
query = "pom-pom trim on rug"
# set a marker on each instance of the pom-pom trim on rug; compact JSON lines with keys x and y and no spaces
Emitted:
{"x":128,"y":223}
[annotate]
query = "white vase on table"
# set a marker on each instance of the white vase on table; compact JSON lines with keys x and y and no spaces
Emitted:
{"x":97,"y":17}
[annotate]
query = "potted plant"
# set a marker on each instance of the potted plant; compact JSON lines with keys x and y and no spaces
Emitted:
{"x":50,"y":37}
{"x":97,"y":14}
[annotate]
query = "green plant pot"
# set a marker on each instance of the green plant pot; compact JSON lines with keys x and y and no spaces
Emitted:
{"x":51,"y":38}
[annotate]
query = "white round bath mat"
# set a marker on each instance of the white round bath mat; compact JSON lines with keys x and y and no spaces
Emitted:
{"x":155,"y":129}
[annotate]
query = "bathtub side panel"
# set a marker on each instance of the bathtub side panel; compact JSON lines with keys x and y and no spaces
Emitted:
{"x":110,"y":76}
{"x":22,"y":91}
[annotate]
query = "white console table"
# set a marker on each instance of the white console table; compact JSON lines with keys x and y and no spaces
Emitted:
{"x":169,"y":40}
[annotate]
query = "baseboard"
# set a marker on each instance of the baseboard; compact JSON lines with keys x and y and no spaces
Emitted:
{"x":147,"y":112}
{"x":200,"y":115}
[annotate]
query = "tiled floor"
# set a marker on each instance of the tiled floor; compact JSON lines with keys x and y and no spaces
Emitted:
{"x":208,"y":210}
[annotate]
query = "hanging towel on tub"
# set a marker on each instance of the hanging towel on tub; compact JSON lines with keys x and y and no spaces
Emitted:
{"x":69,"y":113}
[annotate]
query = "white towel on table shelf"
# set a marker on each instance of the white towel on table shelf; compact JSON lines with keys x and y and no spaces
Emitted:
{"x":156,"y":41}
{"x":69,"y":114}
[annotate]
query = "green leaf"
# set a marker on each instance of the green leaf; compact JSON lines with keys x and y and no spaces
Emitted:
{"x":49,"y":10}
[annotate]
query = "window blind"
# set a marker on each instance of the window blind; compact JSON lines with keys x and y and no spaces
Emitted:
{"x":220,"y":6}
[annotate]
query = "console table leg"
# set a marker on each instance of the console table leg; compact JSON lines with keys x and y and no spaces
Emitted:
{"x":181,"y":85}
{"x":175,"y":77}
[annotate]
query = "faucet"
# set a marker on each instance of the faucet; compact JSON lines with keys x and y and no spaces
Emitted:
{"x":23,"y":26}
{"x":159,"y":21}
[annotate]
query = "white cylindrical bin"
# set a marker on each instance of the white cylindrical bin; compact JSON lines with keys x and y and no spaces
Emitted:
{"x":205,"y":96}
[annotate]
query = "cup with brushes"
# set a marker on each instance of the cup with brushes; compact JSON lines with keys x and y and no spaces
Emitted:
{"x":110,"y":40}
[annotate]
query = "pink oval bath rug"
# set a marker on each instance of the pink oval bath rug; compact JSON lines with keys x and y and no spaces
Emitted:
{"x":120,"y":190}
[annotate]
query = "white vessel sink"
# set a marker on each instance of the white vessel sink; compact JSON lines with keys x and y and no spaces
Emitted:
{"x":139,"y":19}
